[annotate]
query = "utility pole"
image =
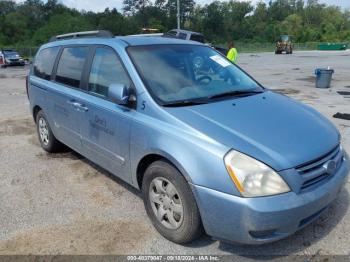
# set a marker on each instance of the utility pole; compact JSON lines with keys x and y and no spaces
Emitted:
{"x":178,"y":14}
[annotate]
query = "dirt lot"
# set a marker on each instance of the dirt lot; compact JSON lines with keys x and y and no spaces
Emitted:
{"x":63,"y":204}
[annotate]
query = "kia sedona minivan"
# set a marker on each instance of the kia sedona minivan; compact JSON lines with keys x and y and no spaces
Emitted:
{"x":211,"y":149}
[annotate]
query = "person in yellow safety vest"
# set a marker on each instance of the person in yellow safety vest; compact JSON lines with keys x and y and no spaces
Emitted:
{"x":232,"y":52}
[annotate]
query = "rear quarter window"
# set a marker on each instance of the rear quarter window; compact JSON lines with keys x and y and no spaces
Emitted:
{"x":71,"y":65}
{"x":44,"y":62}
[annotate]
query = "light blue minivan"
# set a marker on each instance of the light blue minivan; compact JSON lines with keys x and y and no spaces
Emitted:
{"x":211,"y":149}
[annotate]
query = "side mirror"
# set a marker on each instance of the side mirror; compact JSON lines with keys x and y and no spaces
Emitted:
{"x":118,"y":93}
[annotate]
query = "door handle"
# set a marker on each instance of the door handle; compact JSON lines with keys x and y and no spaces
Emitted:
{"x":83,"y":108}
{"x":73,"y":103}
{"x":78,"y":106}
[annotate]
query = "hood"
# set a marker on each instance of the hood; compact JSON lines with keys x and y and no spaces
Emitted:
{"x":270,"y":127}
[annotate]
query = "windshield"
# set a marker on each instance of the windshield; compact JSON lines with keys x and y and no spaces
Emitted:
{"x":174,"y":73}
{"x":284,"y":38}
{"x":10,"y":53}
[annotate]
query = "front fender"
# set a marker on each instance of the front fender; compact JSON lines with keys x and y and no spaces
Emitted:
{"x":198,"y":158}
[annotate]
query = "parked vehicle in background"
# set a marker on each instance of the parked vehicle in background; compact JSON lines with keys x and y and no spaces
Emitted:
{"x":149,"y":30}
{"x":2,"y":59}
{"x":193,"y":36}
{"x":209,"y":147}
{"x":284,"y":44}
{"x":185,"y":35}
{"x":11,"y":57}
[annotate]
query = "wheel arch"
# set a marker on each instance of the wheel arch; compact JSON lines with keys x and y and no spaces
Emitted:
{"x":36,"y":110}
{"x":152,"y":157}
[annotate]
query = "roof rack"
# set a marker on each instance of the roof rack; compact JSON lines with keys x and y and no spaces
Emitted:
{"x":86,"y":34}
{"x":148,"y":35}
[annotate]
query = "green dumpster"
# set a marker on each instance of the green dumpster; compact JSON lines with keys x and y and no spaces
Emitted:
{"x":332,"y":46}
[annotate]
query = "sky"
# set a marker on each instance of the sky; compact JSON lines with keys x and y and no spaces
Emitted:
{"x":100,"y":5}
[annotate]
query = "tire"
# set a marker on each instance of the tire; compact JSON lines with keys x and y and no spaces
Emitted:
{"x":46,"y":138}
{"x":188,"y":226}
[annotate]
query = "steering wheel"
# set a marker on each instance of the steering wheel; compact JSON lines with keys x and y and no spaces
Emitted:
{"x":203,"y":79}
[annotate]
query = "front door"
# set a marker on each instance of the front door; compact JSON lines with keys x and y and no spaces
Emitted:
{"x":106,"y":125}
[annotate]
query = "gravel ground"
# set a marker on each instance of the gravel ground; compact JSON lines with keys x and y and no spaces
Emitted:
{"x":64,"y":204}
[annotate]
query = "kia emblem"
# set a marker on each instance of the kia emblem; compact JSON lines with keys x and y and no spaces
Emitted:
{"x":330,"y":167}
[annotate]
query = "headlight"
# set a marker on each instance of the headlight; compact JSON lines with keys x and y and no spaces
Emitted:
{"x":345,"y":154}
{"x":252,"y":177}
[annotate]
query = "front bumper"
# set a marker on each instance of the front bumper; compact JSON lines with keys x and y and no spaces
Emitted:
{"x":265,"y":219}
{"x":15,"y":63}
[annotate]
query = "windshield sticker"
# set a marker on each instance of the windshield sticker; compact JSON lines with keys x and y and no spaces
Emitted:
{"x":221,"y":61}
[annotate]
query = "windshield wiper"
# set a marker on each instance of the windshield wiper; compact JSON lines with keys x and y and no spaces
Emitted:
{"x":236,"y":93}
{"x":185,"y":103}
{"x":206,"y":100}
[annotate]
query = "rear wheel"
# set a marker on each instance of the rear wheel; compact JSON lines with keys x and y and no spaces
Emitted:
{"x":46,"y":138}
{"x":170,"y":203}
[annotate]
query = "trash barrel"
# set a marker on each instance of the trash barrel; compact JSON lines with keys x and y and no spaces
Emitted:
{"x":323,"y":77}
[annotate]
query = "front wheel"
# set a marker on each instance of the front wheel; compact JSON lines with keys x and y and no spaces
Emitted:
{"x":170,"y":203}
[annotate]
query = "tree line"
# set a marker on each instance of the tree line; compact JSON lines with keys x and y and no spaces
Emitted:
{"x":33,"y":22}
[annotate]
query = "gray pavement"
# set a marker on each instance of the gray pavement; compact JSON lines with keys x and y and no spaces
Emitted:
{"x":64,"y":204}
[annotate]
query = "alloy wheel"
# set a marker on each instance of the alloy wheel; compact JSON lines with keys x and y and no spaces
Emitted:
{"x":166,"y":203}
{"x":43,"y":131}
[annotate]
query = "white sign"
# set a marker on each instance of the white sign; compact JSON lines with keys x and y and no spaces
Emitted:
{"x":221,"y":61}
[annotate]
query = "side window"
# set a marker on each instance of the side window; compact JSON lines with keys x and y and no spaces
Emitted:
{"x":171,"y":34}
{"x":182,"y":36}
{"x":71,"y":65}
{"x":106,"y":69}
{"x":198,"y":38}
{"x":44,"y":62}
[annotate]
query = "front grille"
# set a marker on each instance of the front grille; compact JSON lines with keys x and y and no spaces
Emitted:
{"x":315,"y":172}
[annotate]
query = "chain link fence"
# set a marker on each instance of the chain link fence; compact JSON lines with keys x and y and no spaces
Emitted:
{"x":248,"y":47}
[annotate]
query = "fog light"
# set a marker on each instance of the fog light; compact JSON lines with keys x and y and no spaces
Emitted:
{"x":263,"y":234}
